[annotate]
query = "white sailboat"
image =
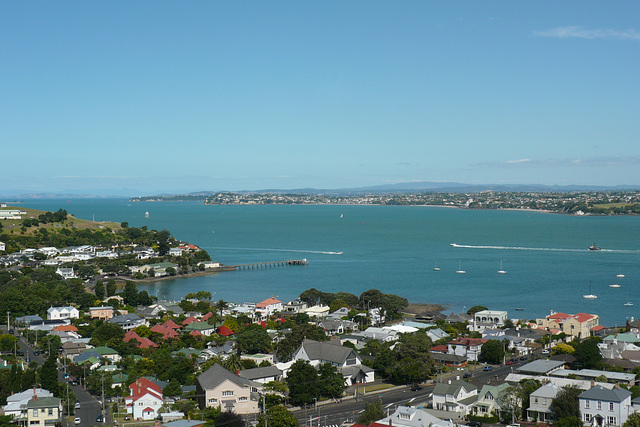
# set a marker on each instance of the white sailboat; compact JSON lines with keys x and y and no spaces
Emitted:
{"x":620,"y":275}
{"x":590,"y":295}
{"x":436,"y":268}
{"x":460,"y":270}
{"x":501,"y":271}
{"x":614,"y":285}
{"x":628,"y":303}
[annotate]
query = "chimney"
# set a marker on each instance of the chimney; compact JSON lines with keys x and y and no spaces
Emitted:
{"x":617,"y":386}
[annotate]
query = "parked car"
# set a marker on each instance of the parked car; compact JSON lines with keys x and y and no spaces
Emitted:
{"x":546,"y":351}
{"x":474,"y":423}
{"x":523,"y":358}
{"x":77,"y":405}
{"x":77,"y":420}
{"x":416,"y":387}
{"x":509,"y":362}
{"x":467,"y":375}
{"x":488,"y":368}
{"x":99,"y":419}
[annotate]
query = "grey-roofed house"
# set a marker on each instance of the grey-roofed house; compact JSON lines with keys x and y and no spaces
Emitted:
{"x":592,"y":374}
{"x":436,"y":334}
{"x":600,"y":406}
{"x":454,"y":396}
{"x":540,"y":400}
{"x":262,"y":374}
{"x":336,"y":354}
{"x":217,"y":387}
{"x":407,"y":416}
{"x":336,"y":326}
{"x":128,"y":321}
{"x":540,"y":367}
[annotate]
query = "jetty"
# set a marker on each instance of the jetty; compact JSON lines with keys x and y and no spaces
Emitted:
{"x":268,"y":264}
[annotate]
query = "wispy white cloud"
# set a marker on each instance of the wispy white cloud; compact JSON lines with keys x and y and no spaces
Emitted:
{"x":583,"y":33}
{"x":593,"y":162}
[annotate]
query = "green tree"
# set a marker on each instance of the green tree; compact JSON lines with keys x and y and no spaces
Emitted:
{"x":476,"y":308}
{"x":111,"y":287}
{"x":253,"y":339}
{"x":509,"y":401}
{"x":570,"y":422}
{"x":173,"y":388}
{"x":99,"y":290}
{"x":302,"y":383}
{"x":566,"y":404}
{"x":331,"y":381}
{"x":230,"y":419}
{"x":49,"y":375}
{"x":588,"y":355}
{"x":492,"y":352}
{"x":372,"y":412}
{"x":633,"y":420}
{"x":279,"y":416}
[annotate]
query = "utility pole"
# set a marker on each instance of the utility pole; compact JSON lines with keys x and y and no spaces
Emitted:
{"x":8,"y":313}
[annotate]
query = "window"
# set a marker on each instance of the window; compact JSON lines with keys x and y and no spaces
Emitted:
{"x":587,"y":417}
{"x":50,"y":412}
{"x":227,"y":393}
{"x":35,"y":412}
{"x":611,"y":420}
{"x":535,"y":400}
{"x":213,"y":400}
{"x":404,"y":416}
{"x":242,"y":399}
{"x":586,"y":404}
{"x":599,"y":405}
{"x":611,"y":406}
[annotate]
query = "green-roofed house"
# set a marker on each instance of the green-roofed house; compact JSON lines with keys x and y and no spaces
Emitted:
{"x":187,"y":352}
{"x":119,"y":380}
{"x":203,"y":327}
{"x":44,"y":411}
{"x":108,"y":353}
{"x":487,"y":399}
{"x":626,"y":337}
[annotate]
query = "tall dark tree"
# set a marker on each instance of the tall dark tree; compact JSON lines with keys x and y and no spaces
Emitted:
{"x":99,"y":290}
{"x":49,"y":375}
{"x":566,"y":404}
{"x":302,"y":383}
{"x":588,"y":355}
{"x":372,"y":412}
{"x":492,"y":352}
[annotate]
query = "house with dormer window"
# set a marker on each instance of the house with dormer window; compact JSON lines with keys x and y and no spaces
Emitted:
{"x":487,"y":402}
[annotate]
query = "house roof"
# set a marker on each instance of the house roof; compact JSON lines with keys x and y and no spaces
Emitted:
{"x":146,"y":343}
{"x":143,"y":386}
{"x":541,"y":366}
{"x":44,"y":402}
{"x":329,"y":351}
{"x":600,"y":393}
{"x":446,"y":388}
{"x":67,"y":328}
{"x":261,"y":372}
{"x":266,"y":303}
{"x":583,"y":317}
{"x":171,"y":324}
{"x":558,"y":316}
{"x":216,"y":375}
{"x":198,"y":326}
{"x":189,"y":320}
{"x":225,"y":331}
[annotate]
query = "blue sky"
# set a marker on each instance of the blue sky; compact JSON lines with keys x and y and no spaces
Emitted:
{"x":145,"y":97}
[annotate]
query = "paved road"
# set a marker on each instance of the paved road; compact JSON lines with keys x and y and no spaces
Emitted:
{"x":332,"y":414}
{"x":89,"y":406}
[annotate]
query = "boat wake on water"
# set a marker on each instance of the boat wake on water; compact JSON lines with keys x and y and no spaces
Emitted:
{"x":523,"y":248}
{"x":280,"y":250}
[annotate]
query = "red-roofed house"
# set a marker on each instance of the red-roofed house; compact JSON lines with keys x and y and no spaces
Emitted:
{"x":467,"y":347}
{"x":196,"y":333}
{"x":66,"y":328}
{"x":147,"y":343}
{"x":598,"y":331}
{"x":206,"y":317}
{"x":224,"y":331}
{"x":171,"y":324}
{"x":444,"y":349}
{"x":131,"y":335}
{"x":166,"y":332}
{"x":189,"y":320}
{"x":576,"y":325}
{"x":269,"y":306}
{"x":145,"y":399}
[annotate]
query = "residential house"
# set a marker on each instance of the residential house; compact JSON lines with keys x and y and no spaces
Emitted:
{"x":539,"y":409}
{"x":317,"y":311}
{"x":108,"y":353}
{"x":407,"y":416}
{"x":145,"y":399}
{"x":3,"y":246}
{"x":262,"y":374}
{"x":487,"y":402}
{"x":269,"y":306}
{"x":66,"y":273}
{"x":128,"y":321}
{"x":487,"y":319}
{"x":102,"y":313}
{"x":294,"y":307}
{"x":44,"y":411}
{"x":600,"y":406}
{"x":437,"y":334}
{"x":339,"y":313}
{"x":467,"y":347}
{"x":219,"y":388}
{"x":55,"y":313}
{"x":344,"y":358}
{"x":575,"y":325}
{"x":454,"y":396}
{"x":336,"y":326}
{"x":203,"y":327}
{"x":16,"y":406}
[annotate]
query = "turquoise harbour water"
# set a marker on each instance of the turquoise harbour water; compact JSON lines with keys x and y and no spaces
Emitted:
{"x":394,"y":249}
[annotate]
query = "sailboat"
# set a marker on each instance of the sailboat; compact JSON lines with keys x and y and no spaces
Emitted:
{"x":628,"y":303}
{"x":620,"y":275}
{"x":614,"y":285}
{"x":501,"y":271}
{"x":590,"y":295}
{"x":436,"y":268}
{"x":460,"y":270}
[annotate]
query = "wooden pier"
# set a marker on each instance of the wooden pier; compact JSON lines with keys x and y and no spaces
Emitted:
{"x":268,"y":264}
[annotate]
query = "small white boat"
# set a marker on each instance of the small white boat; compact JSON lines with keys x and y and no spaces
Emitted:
{"x":614,"y":285}
{"x":501,"y":271}
{"x":590,"y":295}
{"x":436,"y":268}
{"x":628,"y":304}
{"x":455,"y":245}
{"x":620,"y":275}
{"x":460,"y":270}
{"x":341,"y":215}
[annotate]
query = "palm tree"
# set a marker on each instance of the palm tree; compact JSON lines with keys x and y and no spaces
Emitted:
{"x":232,"y":363}
{"x":221,"y":306}
{"x":214,"y":319}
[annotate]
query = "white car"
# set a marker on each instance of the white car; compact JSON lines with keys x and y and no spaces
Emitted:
{"x":77,"y":406}
{"x":546,"y":351}
{"x":77,"y":420}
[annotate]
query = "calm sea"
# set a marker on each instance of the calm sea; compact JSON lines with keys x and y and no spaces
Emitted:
{"x":394,"y":249}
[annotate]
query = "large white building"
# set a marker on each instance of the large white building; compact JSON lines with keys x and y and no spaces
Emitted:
{"x":57,"y":313}
{"x":601,"y":407}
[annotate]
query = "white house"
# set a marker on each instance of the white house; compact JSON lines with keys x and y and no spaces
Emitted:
{"x":3,"y":247}
{"x":407,"y":416}
{"x":66,"y":273}
{"x":56,"y":313}
{"x":454,"y":396}
{"x":145,"y":399}
{"x":344,"y":358}
{"x":487,"y":319}
{"x":269,"y":306}
{"x":600,"y":406}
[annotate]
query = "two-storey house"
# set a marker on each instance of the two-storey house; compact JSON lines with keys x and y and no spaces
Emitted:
{"x":600,"y":406}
